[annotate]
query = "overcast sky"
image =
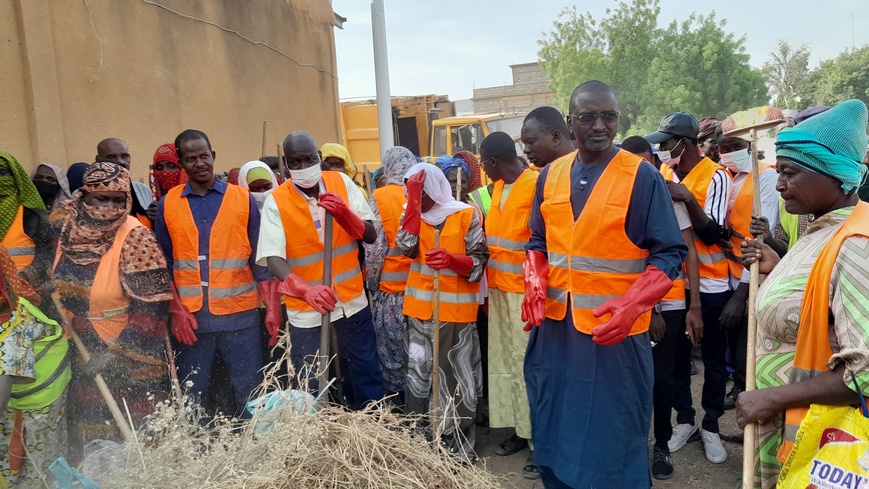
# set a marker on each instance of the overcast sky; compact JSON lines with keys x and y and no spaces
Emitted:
{"x":451,"y":46}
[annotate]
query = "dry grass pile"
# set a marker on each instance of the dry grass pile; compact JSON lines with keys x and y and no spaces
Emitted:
{"x":332,"y":448}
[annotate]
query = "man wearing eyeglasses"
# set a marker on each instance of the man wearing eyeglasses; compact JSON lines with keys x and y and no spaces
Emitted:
{"x":597,"y":264}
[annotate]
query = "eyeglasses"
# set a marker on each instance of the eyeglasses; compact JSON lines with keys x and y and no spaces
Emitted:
{"x":492,"y":159}
{"x":589,"y":119}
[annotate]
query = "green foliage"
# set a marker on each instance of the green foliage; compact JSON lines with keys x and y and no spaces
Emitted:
{"x":693,"y":66}
{"x":787,"y":71}
{"x":841,"y":78}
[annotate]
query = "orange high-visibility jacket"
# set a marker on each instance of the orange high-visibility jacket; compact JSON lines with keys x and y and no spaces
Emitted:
{"x":713,"y":263}
{"x":507,"y":233}
{"x":21,"y":248}
{"x":108,"y":308}
{"x":592,"y":257}
{"x":740,"y":221}
{"x":459,"y":298}
{"x":677,"y":293}
{"x":231,"y":286}
{"x":304,"y":249}
{"x":390,"y":202}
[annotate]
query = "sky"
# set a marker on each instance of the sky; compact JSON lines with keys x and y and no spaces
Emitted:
{"x":449,"y":47}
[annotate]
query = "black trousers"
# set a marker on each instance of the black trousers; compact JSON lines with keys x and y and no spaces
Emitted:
{"x":713,"y":348}
{"x":737,"y":341}
{"x":664,"y":357}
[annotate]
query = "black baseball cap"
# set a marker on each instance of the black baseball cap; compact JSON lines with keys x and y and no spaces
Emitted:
{"x":677,"y":124}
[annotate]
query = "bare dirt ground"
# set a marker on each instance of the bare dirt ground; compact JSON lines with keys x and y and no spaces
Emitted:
{"x":692,"y":468}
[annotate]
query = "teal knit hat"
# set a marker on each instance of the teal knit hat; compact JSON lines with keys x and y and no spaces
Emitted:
{"x":832,"y":143}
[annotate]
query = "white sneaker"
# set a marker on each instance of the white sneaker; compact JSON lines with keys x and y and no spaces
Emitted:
{"x":681,"y":434}
{"x":715,"y":451}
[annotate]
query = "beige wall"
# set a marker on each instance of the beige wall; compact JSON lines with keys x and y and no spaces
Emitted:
{"x":77,"y":71}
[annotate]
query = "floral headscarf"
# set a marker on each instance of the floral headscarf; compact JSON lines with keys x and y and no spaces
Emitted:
{"x":396,"y":161}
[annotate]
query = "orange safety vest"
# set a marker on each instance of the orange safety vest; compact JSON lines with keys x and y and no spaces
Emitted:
{"x":143,"y":218}
{"x":19,"y":245}
{"x":305,"y":250}
{"x":390,"y":202}
{"x":507,"y":233}
{"x":813,"y":350}
{"x":231,"y":286}
{"x":591,"y":257}
{"x":108,"y":310}
{"x":740,"y":221}
{"x":713,"y":262}
{"x":459,"y":298}
{"x":677,"y":293}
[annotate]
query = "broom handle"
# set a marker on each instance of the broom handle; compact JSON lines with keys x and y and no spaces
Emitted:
{"x":98,"y":378}
{"x":326,"y":322}
{"x":459,"y":183}
{"x":436,"y":347}
{"x":748,"y":447}
{"x":265,"y":125}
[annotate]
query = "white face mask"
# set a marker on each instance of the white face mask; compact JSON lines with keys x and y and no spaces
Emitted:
{"x":666,"y":157}
{"x":260,"y":197}
{"x":738,"y":161}
{"x":307,"y":177}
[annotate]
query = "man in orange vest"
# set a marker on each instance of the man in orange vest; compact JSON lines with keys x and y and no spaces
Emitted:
{"x":291,"y":244}
{"x":208,"y":231}
{"x":736,"y":157}
{"x":605,"y":248}
{"x":507,"y":232}
{"x":705,"y":189}
{"x":545,"y":136}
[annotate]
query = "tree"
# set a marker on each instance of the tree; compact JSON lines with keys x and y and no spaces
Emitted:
{"x":841,"y":78}
{"x":786,"y":71}
{"x":693,"y":66}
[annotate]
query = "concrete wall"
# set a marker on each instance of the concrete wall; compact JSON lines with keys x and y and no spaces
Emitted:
{"x":530,"y":89}
{"x":77,"y":71}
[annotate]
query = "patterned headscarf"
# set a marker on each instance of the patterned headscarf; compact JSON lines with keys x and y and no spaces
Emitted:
{"x":90,"y":231}
{"x":164,"y":180}
{"x":14,"y":285}
{"x":15,"y":190}
{"x":232,"y":176}
{"x":476,"y":180}
{"x":335,"y":150}
{"x":447,"y":163}
{"x":396,"y":161}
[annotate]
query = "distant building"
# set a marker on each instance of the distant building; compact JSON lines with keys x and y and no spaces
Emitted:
{"x":530,"y":89}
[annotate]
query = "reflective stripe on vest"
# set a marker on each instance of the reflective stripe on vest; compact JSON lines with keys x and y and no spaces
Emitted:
{"x":713,"y":262}
{"x":21,"y":248}
{"x":591,"y":256}
{"x":677,"y":293}
{"x":507,"y":232}
{"x":813,"y":351}
{"x":305,"y":250}
{"x":459,"y":297}
{"x":390,"y":202}
{"x":482,"y":198}
{"x":739,"y":220}
{"x":52,"y":366}
{"x":231,"y":286}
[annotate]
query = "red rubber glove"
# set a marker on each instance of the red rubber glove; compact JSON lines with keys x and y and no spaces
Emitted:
{"x":535,"y":269}
{"x":268,"y":291}
{"x":320,"y":297}
{"x":183,"y":322}
{"x":345,"y":218}
{"x":439,"y":259}
{"x":413,"y":210}
{"x":647,"y":291}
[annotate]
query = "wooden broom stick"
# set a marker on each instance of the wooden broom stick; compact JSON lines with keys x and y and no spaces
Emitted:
{"x":265,"y":125}
{"x":436,"y":348}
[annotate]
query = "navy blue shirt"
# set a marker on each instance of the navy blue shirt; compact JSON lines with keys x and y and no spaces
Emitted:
{"x":204,"y":209}
{"x":651,"y":221}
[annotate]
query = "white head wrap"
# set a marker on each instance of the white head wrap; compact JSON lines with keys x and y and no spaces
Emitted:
{"x":438,"y":189}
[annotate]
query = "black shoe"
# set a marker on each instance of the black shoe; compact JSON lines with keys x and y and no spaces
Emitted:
{"x":530,"y":471}
{"x":662,"y":464}
{"x":514,"y":444}
{"x":694,"y":370}
{"x":730,"y":398}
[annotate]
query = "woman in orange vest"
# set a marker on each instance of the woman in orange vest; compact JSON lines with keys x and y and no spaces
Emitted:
{"x":461,"y":260}
{"x":111,"y":276}
{"x":24,"y":228}
{"x":813,"y":325}
{"x":388,"y":270}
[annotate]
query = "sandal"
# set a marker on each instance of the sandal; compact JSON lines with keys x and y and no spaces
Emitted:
{"x":511,"y":445}
{"x":530,"y":471}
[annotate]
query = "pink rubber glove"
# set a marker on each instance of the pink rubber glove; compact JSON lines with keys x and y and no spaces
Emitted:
{"x":535,"y":270}
{"x":413,"y":210}
{"x":647,"y":291}
{"x":268,"y":291}
{"x":345,"y":218}
{"x":439,"y":259}
{"x":320,"y":297}
{"x":183,"y":322}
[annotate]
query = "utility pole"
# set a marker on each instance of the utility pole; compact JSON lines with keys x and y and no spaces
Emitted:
{"x":381,"y":76}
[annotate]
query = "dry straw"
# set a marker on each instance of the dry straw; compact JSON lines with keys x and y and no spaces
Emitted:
{"x":332,"y":448}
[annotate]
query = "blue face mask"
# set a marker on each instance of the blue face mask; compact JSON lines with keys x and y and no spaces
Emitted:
{"x":738,"y":161}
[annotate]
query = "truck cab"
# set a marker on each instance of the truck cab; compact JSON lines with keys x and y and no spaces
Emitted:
{"x":466,"y":133}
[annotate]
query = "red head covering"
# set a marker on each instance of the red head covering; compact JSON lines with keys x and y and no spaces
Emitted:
{"x":232,"y":177}
{"x":476,"y":180}
{"x":162,"y":180}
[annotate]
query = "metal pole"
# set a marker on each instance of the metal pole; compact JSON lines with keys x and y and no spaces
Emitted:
{"x":381,"y":76}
